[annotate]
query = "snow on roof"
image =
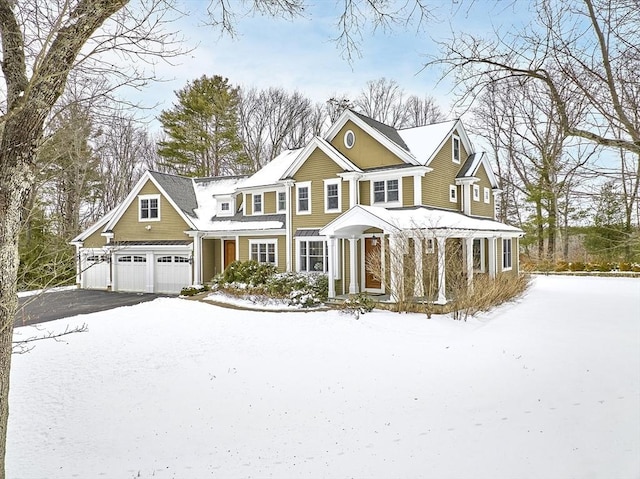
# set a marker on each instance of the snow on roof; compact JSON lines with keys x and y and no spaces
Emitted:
{"x":412,"y":218}
{"x":206,"y":190}
{"x":235,"y":225}
{"x":423,"y":141}
{"x":272,"y":171}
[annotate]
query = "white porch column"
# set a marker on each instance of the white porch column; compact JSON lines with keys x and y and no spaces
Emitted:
{"x":418,"y":287}
{"x":468,"y":242}
{"x":353,"y":268}
{"x":288,"y":233}
{"x":396,"y":266}
{"x":331,"y":245}
{"x":442,"y":295}
{"x":197,"y":260}
{"x":492,"y":257}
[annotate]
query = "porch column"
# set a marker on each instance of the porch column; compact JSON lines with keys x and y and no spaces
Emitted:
{"x":396,"y":266}
{"x":331,"y":245}
{"x":353,"y":268}
{"x":492,"y":257}
{"x":197,"y":260}
{"x":442,"y":295}
{"x":469,"y":250}
{"x":418,"y":289}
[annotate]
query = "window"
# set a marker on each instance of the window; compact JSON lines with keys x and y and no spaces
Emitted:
{"x":456,"y":150}
{"x":282,"y":201}
{"x":476,"y":193}
{"x":129,"y":259}
{"x":349,"y":139}
{"x":312,"y":256}
{"x":430,"y":246}
{"x":149,"y":208}
{"x":257,"y":203}
{"x":386,"y":191}
{"x":487,"y":195}
{"x":263,"y":251}
{"x":164,"y":259}
{"x":478,"y":254}
{"x":453,"y":193}
{"x":181,"y":259}
{"x":224,"y":206}
{"x":333,"y":201}
{"x":506,"y":254}
{"x":303,"y":191}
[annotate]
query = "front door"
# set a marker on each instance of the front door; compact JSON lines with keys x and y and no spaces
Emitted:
{"x":229,"y":252}
{"x":372,"y":263}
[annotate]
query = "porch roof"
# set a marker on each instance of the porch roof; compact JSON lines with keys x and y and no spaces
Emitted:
{"x":361,"y":217}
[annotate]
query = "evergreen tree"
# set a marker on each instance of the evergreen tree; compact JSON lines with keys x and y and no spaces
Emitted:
{"x":202,"y":130}
{"x":607,"y":237}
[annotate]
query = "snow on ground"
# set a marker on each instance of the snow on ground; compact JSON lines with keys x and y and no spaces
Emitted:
{"x":548,"y":387}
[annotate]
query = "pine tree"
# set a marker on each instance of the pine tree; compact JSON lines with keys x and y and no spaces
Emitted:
{"x":202,"y":130}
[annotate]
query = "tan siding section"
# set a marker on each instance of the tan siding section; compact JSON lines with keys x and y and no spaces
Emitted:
{"x":95,"y":240}
{"x":317,"y":168}
{"x":269,"y":202}
{"x":367,"y":152}
{"x":435,"y":184}
{"x":407,"y":191}
{"x":209,"y":254}
{"x":171,"y":226}
{"x":248,"y":208}
{"x":480,"y":208}
{"x":365,"y":192}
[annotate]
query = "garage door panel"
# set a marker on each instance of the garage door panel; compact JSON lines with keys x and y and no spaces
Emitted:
{"x":94,"y":270}
{"x":131,"y":272}
{"x":172,"y":273}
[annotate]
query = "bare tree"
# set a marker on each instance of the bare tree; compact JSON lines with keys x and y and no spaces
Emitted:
{"x":581,"y":50}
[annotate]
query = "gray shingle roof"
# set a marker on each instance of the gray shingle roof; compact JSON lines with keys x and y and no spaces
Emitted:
{"x":180,"y":189}
{"x":464,"y":171}
{"x":386,"y":130}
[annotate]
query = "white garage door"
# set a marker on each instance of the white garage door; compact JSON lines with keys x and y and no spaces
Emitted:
{"x":94,"y":270}
{"x":172,"y":273}
{"x":131,"y":272}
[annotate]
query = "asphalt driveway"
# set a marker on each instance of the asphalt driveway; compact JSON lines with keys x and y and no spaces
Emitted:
{"x":62,"y":304}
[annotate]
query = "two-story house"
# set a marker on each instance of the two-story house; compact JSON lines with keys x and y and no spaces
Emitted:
{"x":363,"y":190}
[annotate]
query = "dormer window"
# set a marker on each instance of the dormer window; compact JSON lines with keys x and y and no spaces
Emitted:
{"x":257,"y":204}
{"x":282,"y":201}
{"x":456,"y":149}
{"x":149,"y":208}
{"x":224,"y":206}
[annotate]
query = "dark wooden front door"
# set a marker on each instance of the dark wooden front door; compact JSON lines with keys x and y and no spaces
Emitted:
{"x":373,"y":263}
{"x":229,"y":252}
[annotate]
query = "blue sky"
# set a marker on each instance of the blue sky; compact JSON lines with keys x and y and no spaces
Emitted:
{"x":300,"y":55}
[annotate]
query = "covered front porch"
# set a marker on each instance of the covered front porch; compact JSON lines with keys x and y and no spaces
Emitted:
{"x":416,"y":254}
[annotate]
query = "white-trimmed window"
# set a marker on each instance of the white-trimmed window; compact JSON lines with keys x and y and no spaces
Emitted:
{"x":224,"y":208}
{"x":332,"y":196}
{"x":455,"y":146}
{"x":430,"y":246}
{"x":264,"y":251}
{"x":386,"y":191}
{"x":303,"y":198}
{"x":476,"y":193}
{"x":349,"y":139}
{"x":312,"y":255}
{"x":282,"y":201}
{"x":506,"y":254}
{"x":257,"y":203}
{"x":453,"y":193}
{"x":478,"y":255}
{"x":149,"y":208}
{"x":487,"y":195}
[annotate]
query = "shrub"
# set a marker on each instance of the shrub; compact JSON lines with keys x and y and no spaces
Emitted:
{"x":577,"y":266}
{"x":248,"y":272}
{"x":562,"y":266}
{"x":193,"y":290}
{"x":625,"y":266}
{"x":357,"y":304}
{"x":487,"y":294}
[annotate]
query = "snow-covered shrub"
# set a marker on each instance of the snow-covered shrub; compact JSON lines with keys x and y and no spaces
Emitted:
{"x":357,"y":304}
{"x":249,"y":272}
{"x":193,"y":290}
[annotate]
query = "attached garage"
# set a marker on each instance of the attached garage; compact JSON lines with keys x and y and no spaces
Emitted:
{"x":152,"y":267}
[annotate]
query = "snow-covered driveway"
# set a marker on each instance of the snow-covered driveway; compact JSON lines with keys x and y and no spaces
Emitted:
{"x":548,"y":387}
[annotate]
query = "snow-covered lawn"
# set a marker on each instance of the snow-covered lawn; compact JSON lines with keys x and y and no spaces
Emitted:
{"x":548,"y":387}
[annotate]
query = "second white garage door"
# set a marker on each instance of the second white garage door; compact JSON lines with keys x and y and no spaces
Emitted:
{"x":172,"y":273}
